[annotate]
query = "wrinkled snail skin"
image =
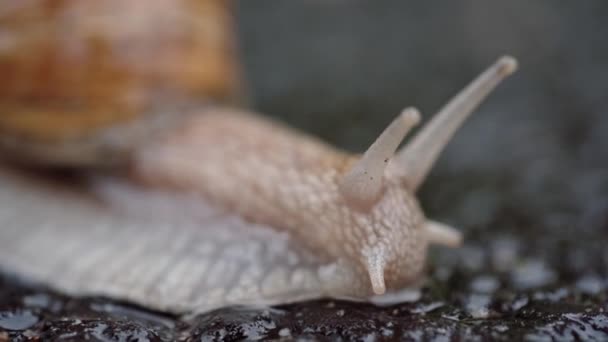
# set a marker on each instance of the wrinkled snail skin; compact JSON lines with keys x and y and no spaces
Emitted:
{"x":271,"y":175}
{"x":230,"y":208}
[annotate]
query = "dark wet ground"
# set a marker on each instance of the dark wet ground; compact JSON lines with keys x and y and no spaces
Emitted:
{"x":526,"y":179}
{"x":461,"y":307}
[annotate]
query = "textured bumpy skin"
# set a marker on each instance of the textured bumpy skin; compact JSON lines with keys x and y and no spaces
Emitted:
{"x":290,"y":182}
{"x":229,"y":208}
{"x":168,"y":252}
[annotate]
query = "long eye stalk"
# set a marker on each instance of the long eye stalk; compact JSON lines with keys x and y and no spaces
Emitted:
{"x":417,"y":158}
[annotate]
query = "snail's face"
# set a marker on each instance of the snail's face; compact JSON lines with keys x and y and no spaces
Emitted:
{"x":388,"y":239}
{"x":389,"y":234}
{"x":384,"y":229}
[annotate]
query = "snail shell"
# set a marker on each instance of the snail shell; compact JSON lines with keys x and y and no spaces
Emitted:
{"x":220,"y":207}
{"x":85,"y":81}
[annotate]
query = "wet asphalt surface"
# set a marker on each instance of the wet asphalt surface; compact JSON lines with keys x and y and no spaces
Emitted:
{"x":526,"y":179}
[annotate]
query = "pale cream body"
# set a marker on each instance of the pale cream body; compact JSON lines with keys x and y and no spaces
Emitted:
{"x":229,"y":208}
{"x":169,"y":252}
{"x":274,"y":176}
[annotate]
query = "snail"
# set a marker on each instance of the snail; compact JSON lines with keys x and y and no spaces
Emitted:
{"x":209,"y":205}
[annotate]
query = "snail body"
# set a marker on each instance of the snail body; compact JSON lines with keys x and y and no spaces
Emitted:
{"x":225,"y":207}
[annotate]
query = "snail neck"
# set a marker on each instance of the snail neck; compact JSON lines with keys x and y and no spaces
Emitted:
{"x":251,"y":166}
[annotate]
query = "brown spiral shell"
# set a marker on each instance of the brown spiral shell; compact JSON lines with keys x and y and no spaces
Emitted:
{"x":82,"y":78}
